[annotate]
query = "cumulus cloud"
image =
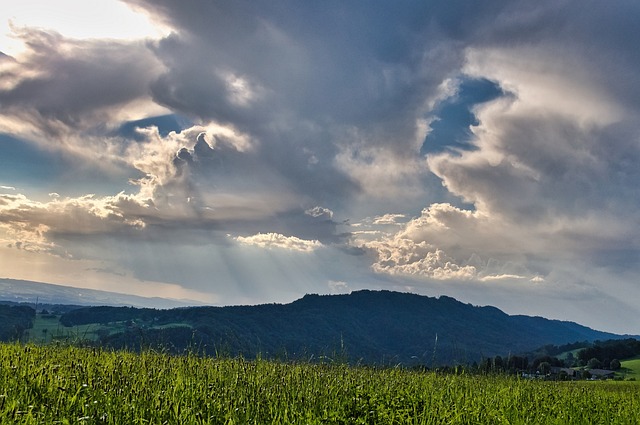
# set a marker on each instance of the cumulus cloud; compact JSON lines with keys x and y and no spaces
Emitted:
{"x":340,"y":114}
{"x":407,"y":258}
{"x":550,"y":176}
{"x":388,"y":219}
{"x":275,"y":240}
{"x":318,"y":211}
{"x":536,"y":179}
{"x":449,"y":243}
{"x":33,"y":225}
{"x":184,"y":182}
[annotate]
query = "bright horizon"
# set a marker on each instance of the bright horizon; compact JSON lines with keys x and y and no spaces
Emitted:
{"x":245,"y":153}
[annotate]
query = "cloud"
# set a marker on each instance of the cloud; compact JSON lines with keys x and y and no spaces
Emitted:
{"x":491,"y":278}
{"x":184,"y":185}
{"x":75,"y":19}
{"x":549,"y":169}
{"x":418,"y":260}
{"x":536,"y":180}
{"x":449,"y":243}
{"x":32,"y":225}
{"x":275,"y":240}
{"x":318,"y":211}
{"x":338,"y":287}
{"x":61,"y":86}
{"x":338,"y":120}
{"x":388,"y":219}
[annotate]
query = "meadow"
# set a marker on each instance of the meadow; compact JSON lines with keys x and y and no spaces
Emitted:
{"x":48,"y":384}
{"x":47,"y":328}
{"x":630,"y":369}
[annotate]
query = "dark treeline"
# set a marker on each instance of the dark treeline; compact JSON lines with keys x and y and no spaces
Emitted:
{"x":15,"y":319}
{"x":554,"y":350}
{"x":104,"y":315}
{"x":517,"y":364}
{"x":597,"y":355}
{"x":606,"y":352}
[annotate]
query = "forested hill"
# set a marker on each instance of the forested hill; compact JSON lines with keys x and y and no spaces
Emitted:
{"x":368,"y":326}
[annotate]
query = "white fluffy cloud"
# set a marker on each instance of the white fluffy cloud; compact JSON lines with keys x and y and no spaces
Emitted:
{"x":33,"y":226}
{"x":275,"y":240}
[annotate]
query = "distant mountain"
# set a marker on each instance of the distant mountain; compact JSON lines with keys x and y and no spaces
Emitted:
{"x":24,"y":291}
{"x":374,"y":327}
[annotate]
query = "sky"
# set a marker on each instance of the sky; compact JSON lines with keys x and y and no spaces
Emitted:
{"x":246,"y":152}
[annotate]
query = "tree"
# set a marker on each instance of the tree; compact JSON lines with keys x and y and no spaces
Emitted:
{"x":544,"y":368}
{"x":498,"y":364}
{"x":570,"y":360}
{"x":594,"y":363}
{"x":515,"y":363}
{"x":615,"y":364}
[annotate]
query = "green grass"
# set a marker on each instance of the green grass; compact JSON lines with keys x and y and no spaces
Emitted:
{"x":43,"y":329}
{"x":630,"y":369}
{"x":172,"y":325}
{"x":69,"y":385}
{"x":47,"y":328}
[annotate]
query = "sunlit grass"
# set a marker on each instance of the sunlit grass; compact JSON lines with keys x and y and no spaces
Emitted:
{"x":47,"y":328}
{"x":49,"y":384}
{"x":630,"y":369}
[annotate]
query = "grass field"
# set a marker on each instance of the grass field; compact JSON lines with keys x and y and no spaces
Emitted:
{"x":630,"y":369}
{"x":47,"y":328}
{"x":69,"y":385}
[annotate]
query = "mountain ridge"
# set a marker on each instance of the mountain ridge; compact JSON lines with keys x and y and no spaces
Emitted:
{"x":366,"y":326}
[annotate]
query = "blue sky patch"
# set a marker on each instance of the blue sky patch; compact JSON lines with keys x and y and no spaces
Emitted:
{"x":24,"y":162}
{"x":27,"y":167}
{"x":165,"y":123}
{"x":450,"y":130}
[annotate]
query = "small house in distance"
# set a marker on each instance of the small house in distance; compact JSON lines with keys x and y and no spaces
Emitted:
{"x":563,"y":372}
{"x":601,"y":374}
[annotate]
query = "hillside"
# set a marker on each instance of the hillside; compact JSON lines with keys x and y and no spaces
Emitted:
{"x":367,"y":326}
{"x":630,"y":369}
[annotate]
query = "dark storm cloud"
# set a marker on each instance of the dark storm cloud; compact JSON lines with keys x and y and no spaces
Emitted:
{"x":330,"y":92}
{"x":307,"y":82}
{"x":328,"y":64}
{"x":74,"y":82}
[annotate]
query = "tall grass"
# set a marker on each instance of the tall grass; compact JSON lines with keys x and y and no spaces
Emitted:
{"x":69,"y":385}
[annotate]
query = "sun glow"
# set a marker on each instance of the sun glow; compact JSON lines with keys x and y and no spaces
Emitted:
{"x":73,"y":19}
